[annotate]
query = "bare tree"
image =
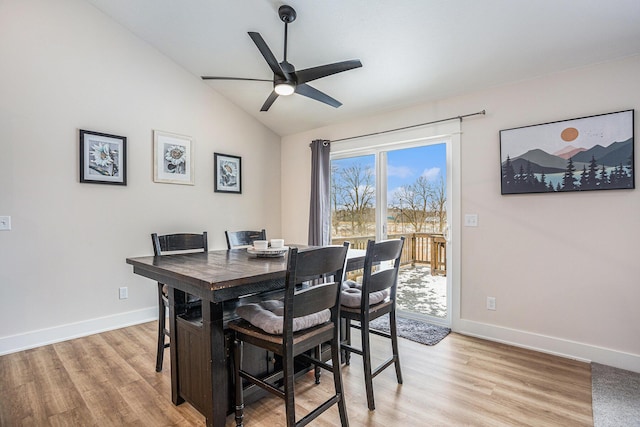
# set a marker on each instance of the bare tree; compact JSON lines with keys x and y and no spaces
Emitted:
{"x":438,"y":204}
{"x":413,"y":202}
{"x":354,"y":192}
{"x":417,"y":203}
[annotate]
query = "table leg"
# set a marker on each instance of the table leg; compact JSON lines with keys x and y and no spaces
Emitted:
{"x":216,"y":394}
{"x":173,"y":346}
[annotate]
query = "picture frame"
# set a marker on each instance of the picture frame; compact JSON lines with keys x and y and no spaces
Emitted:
{"x":103,"y":158}
{"x":173,"y":158}
{"x":227,"y":173}
{"x":583,"y":154}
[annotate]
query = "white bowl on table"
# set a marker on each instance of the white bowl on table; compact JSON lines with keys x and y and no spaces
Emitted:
{"x":277,"y":243}
{"x":260,"y":245}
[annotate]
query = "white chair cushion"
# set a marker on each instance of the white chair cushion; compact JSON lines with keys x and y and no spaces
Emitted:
{"x":269,"y":316}
{"x":351,"y":294}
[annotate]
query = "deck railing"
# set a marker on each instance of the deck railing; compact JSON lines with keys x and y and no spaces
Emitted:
{"x":419,"y":248}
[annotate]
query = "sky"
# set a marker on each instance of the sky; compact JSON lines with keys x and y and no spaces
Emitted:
{"x":406,"y":165}
{"x":603,"y":129}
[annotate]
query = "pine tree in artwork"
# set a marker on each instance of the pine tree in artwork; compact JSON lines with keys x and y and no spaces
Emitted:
{"x":550,"y":187}
{"x":508,"y":177}
{"x":614,"y":177}
{"x":543,"y":183}
{"x":592,"y":172}
{"x":583,"y":178}
{"x":531,"y":178}
{"x":621,"y":177}
{"x":603,"y":181}
{"x":568,"y":181}
{"x":630,"y":172}
{"x":521,"y":180}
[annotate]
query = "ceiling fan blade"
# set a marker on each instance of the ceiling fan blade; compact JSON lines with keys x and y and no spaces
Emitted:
{"x":270,"y":100}
{"x":234,"y":78}
{"x":309,"y":74}
{"x":313,"y":93}
{"x":267,"y":54}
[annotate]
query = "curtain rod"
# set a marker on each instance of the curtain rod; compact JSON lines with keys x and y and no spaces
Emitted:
{"x":412,"y":126}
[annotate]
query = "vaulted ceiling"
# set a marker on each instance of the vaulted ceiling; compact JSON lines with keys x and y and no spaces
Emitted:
{"x":412,"y":51}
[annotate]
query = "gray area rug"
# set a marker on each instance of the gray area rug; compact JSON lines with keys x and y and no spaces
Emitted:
{"x":616,"y":396}
{"x":414,"y":330}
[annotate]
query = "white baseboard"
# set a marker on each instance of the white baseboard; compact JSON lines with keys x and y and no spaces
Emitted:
{"x":32,"y":339}
{"x":551,"y":345}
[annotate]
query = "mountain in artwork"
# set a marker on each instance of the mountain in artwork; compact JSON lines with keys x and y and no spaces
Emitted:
{"x":568,"y":151}
{"x":542,"y":162}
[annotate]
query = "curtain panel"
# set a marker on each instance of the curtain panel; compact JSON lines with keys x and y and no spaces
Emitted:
{"x":320,"y":209}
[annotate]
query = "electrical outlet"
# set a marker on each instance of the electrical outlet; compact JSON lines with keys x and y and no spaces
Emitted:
{"x":491,"y":303}
{"x":124,"y":292}
{"x":5,"y":223}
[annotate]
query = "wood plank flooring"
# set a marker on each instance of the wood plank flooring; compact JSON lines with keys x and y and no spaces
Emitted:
{"x":109,"y":379}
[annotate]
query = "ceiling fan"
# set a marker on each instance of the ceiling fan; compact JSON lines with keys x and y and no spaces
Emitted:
{"x":286,"y":80}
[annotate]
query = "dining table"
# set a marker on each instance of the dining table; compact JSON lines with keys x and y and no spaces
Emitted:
{"x":200,"y":345}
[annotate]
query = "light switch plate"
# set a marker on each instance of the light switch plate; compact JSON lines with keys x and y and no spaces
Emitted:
{"x":471,"y":220}
{"x":5,"y":223}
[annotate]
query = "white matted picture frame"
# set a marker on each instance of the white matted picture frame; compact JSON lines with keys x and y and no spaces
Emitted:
{"x":103,"y":158}
{"x":227,"y":173}
{"x":172,"y":158}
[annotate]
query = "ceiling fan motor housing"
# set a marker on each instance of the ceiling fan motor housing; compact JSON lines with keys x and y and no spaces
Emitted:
{"x":287,"y":14}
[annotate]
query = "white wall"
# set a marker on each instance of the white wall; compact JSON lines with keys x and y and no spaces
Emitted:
{"x":563,"y":267}
{"x":65,"y":66}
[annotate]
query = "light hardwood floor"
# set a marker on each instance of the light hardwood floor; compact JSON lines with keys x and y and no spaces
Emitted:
{"x":109,"y":379}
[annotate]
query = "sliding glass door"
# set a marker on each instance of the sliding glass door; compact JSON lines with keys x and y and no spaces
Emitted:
{"x":392,"y":191}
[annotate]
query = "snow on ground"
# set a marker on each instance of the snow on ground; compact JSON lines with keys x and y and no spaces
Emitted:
{"x":420,"y":292}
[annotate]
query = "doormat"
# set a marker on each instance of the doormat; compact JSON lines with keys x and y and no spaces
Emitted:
{"x":414,"y":330}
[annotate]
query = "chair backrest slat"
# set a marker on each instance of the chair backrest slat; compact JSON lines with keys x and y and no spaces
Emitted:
{"x":314,"y":299}
{"x":243,"y":238}
{"x":381,"y":280}
{"x":179,"y":242}
{"x":378,"y":276}
{"x":326,"y":266}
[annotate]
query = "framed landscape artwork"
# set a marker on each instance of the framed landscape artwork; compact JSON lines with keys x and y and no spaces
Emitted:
{"x":173,"y":158}
{"x":227,"y":176}
{"x":103,"y":158}
{"x":587,"y":153}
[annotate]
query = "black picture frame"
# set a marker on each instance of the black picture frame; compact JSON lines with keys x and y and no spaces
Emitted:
{"x":227,"y":173}
{"x":583,"y":154}
{"x":103,"y":158}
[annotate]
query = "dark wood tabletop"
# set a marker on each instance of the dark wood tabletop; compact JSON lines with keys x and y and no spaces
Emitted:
{"x":221,"y":275}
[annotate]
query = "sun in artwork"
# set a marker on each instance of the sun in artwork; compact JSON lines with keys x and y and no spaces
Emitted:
{"x":569,"y":134}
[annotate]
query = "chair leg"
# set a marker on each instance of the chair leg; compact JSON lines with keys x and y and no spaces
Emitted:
{"x":347,"y":340}
{"x":394,"y":344}
{"x":290,"y":404}
{"x":366,"y":358}
{"x":317,"y":369}
{"x":237,"y":366}
{"x":161,"y":327}
{"x":337,"y":381}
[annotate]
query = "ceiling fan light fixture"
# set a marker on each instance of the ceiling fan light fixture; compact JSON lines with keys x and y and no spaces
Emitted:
{"x":284,"y":89}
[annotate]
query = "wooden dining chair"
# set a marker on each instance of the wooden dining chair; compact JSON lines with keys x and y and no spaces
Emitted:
{"x":294,"y":328}
{"x":239,"y":239}
{"x":376,"y":297}
{"x":165,"y":245}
